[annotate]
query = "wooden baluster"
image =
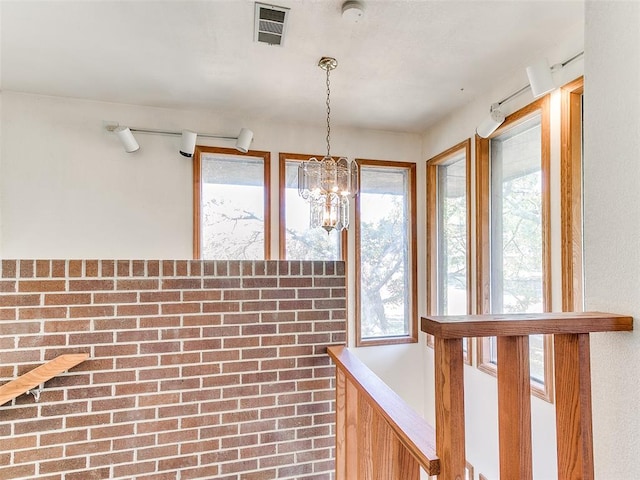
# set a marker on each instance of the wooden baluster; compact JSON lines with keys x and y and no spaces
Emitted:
{"x":341,"y":426}
{"x":573,"y":407}
{"x":514,"y":408}
{"x":450,"y":443}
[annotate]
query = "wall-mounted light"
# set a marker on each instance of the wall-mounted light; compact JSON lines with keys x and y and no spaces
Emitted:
{"x":187,"y":141}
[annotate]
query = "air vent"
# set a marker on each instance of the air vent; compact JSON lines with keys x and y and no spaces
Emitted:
{"x":271,"y":22}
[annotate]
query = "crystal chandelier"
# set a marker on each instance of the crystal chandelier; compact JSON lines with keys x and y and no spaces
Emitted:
{"x":327,"y":184}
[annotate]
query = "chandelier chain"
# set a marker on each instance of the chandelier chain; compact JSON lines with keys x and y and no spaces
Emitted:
{"x":328,"y":114}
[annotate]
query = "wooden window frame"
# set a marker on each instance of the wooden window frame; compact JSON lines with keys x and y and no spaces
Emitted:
{"x":197,"y":194}
{"x":282,"y":203}
{"x":432,"y":231}
{"x":412,"y":336}
{"x":483,"y":229}
{"x":571,"y":195}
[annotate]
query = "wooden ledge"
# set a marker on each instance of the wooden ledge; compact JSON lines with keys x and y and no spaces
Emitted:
{"x":413,"y":431}
{"x":516,"y":324}
{"x":39,"y":375}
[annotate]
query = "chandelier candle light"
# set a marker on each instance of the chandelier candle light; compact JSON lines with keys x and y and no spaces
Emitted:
{"x":327,"y":184}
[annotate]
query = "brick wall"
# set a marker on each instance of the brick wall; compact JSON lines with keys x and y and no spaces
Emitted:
{"x":198,"y":369}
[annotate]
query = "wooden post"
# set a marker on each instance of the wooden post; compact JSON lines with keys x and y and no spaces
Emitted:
{"x":450,"y":443}
{"x":573,"y":407}
{"x":514,"y":408}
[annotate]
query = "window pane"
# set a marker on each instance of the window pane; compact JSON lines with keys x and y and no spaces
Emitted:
{"x":452,"y":238}
{"x":302,"y":242}
{"x":384,"y":252}
{"x":232,"y":207}
{"x":516,"y":228}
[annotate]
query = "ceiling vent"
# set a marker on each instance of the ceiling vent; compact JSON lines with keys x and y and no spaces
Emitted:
{"x":271,"y":22}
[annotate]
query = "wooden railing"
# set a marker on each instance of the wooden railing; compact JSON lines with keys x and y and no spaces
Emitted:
{"x":379,"y":437}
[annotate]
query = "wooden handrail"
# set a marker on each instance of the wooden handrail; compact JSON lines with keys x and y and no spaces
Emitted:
{"x":39,"y":375}
{"x":573,"y":387}
{"x":376,"y":431}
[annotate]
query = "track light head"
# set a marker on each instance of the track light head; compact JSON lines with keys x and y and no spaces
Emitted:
{"x":188,"y":143}
{"x":540,"y":78}
{"x":127,"y":139}
{"x":492,"y":122}
{"x":244,"y":139}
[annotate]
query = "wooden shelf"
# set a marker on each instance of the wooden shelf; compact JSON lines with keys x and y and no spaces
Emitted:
{"x":39,"y":375}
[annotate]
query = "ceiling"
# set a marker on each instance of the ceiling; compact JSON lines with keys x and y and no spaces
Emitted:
{"x":403,"y":66}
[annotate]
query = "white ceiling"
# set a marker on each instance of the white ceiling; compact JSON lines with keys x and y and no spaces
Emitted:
{"x":402,"y":67}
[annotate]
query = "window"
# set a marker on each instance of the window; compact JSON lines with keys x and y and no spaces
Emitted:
{"x":513,"y":238}
{"x":447,"y":235}
{"x":231,"y":204}
{"x":386,"y":253}
{"x":297,"y":240}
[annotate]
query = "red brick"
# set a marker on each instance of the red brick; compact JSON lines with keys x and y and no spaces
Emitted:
{"x":200,"y":295}
{"x":92,"y":268}
{"x":112,"y":431}
{"x":115,"y":297}
{"x":137,"y":310}
{"x":86,"y":420}
{"x":181,"y":283}
{"x":18,"y":471}
{"x":67,"y":298}
{"x":8,"y":313}
{"x":19,"y":300}
{"x":9,"y":268}
{"x":122,"y":268}
{"x":63,"y":438}
{"x":159,"y":296}
{"x":75,"y":268}
{"x":146,"y":284}
{"x":87,"y":448}
{"x":177,"y":463}
{"x":178,"y":308}
{"x":90,"y":285}
{"x":131,"y":469}
{"x":115,"y":324}
{"x":29,"y":313}
{"x":111,"y":458}
{"x":107,"y":268}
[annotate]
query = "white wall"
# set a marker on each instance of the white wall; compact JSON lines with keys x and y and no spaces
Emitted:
{"x":612,"y":227}
{"x":481,"y":414}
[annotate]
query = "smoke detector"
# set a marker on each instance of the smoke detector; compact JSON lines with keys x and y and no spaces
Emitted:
{"x":270,"y":24}
{"x":353,"y":10}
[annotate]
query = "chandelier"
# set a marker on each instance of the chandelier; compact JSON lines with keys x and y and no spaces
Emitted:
{"x":327,"y":184}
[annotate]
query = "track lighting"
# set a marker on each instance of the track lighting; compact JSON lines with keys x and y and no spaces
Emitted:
{"x":187,"y":140}
{"x":540,"y":81}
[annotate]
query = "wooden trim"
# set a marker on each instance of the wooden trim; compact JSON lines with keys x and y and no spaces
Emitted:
{"x":197,"y":204}
{"x":432,"y":229}
{"x":412,"y":336}
{"x":571,"y":194}
{"x":364,"y":388}
{"x":39,"y":375}
{"x":197,"y":193}
{"x":483,"y":266}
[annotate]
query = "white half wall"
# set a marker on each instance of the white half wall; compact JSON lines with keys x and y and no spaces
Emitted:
{"x":612,"y":227}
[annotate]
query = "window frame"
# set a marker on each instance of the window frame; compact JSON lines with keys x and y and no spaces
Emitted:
{"x":571,"y":195}
{"x":197,"y":194}
{"x":412,"y":336}
{"x":483,"y":236}
{"x":282,"y":207}
{"x":442,"y":159}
